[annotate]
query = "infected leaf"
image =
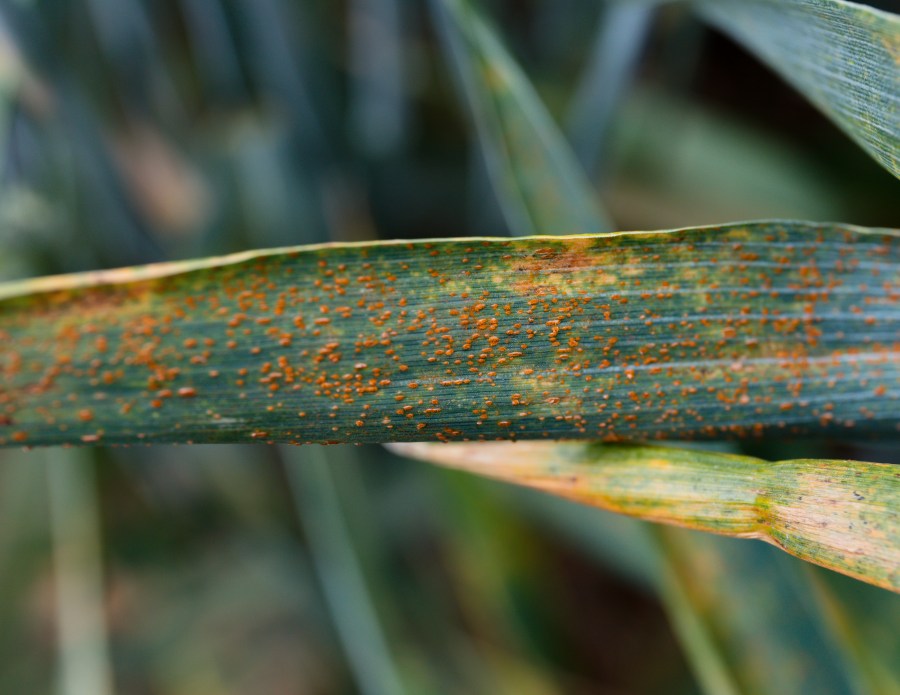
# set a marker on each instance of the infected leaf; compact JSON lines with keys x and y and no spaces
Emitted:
{"x":711,"y":332}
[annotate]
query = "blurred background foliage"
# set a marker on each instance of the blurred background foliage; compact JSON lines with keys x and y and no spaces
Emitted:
{"x":144,"y":130}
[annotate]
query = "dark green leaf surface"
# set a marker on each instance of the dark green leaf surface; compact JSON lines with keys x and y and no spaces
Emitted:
{"x":730,"y":331}
{"x":839,"y":514}
{"x":843,"y":56}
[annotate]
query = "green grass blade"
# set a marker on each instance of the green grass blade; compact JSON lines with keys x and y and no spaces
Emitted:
{"x":736,"y":607}
{"x":864,"y":625}
{"x":752,"y":603}
{"x":343,"y":583}
{"x":716,"y":673}
{"x":379,"y":109}
{"x":623,"y":31}
{"x":842,"y":56}
{"x":729,"y":331}
{"x":843,"y":515}
{"x":83,"y":643}
{"x":539,"y":183}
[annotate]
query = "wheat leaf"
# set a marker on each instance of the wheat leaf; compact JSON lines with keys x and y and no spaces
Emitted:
{"x":541,"y":187}
{"x":842,"y":56}
{"x":728,"y":331}
{"x":839,"y":514}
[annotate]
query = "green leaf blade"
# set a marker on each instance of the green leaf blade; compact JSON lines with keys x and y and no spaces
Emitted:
{"x":730,"y":331}
{"x":541,"y":187}
{"x":842,"y":56}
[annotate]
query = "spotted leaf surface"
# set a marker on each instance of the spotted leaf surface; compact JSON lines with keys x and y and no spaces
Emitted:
{"x":715,"y":332}
{"x":839,"y":514}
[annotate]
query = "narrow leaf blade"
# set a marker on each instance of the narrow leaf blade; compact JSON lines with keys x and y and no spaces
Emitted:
{"x":730,"y":331}
{"x":540,"y":185}
{"x":842,"y":56}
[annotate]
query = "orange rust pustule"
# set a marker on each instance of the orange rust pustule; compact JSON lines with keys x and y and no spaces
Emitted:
{"x":706,"y":333}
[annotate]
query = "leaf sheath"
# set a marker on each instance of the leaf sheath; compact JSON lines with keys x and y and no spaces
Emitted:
{"x":839,"y":514}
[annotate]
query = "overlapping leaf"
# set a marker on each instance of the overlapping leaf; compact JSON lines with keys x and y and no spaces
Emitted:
{"x":843,"y":56}
{"x":839,"y":514}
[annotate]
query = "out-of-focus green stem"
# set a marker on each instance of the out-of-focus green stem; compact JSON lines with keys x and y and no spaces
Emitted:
{"x":84,"y":664}
{"x":614,"y":57}
{"x":340,"y":574}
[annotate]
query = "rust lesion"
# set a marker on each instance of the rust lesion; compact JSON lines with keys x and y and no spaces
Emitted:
{"x":891,"y":43}
{"x":557,"y":256}
{"x":546,"y":267}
